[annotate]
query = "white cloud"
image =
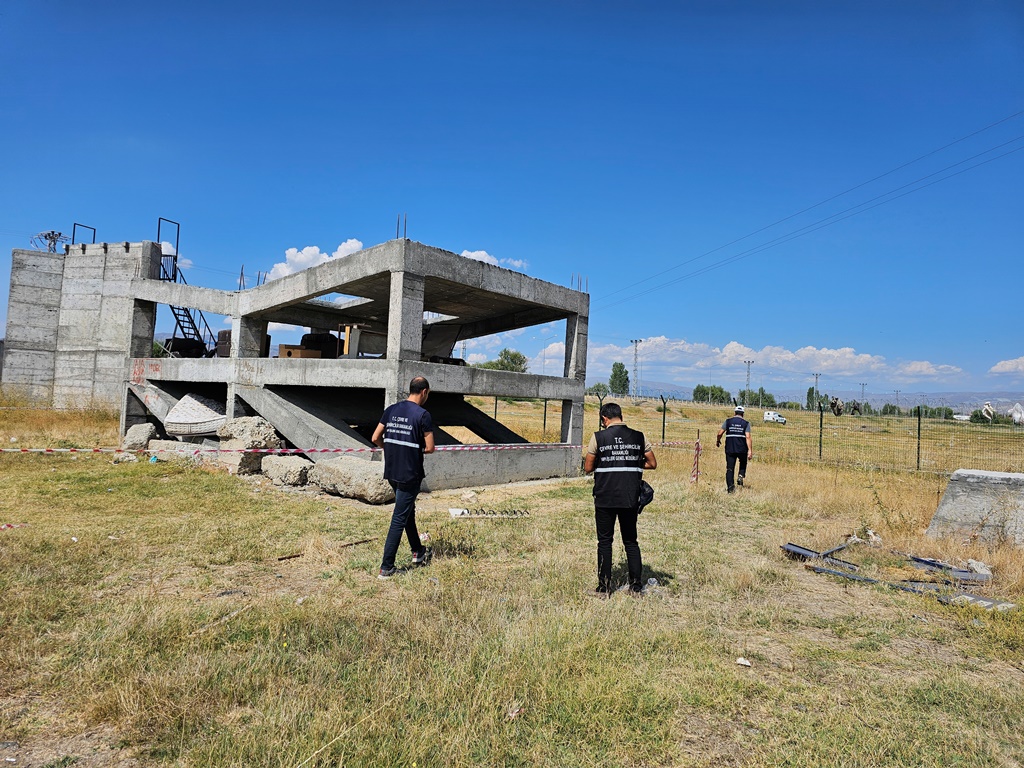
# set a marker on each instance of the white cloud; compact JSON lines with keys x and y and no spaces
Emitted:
{"x":480,"y":256}
{"x":166,"y":248}
{"x":679,"y":359}
{"x":185,"y":263}
{"x":296,"y":260}
{"x":922,"y":369}
{"x":1013,"y":367}
{"x":476,"y":357}
{"x":550,"y":361}
{"x":485,"y":257}
{"x":283,"y":328}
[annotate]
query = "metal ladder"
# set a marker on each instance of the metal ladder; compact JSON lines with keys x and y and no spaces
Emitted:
{"x":191,"y":323}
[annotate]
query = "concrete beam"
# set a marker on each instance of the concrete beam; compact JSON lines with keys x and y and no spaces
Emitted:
{"x":434,"y":262}
{"x":190,"y":296}
{"x":458,"y":469}
{"x":157,"y":401}
{"x":303,"y":424}
{"x":329,"y":277}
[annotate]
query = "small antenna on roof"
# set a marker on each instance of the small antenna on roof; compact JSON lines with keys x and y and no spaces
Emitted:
{"x":398,"y":225}
{"x":50,"y":238}
{"x":405,"y":232}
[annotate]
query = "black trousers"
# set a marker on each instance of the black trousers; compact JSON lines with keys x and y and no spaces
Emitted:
{"x":605,"y":517}
{"x":730,"y":465}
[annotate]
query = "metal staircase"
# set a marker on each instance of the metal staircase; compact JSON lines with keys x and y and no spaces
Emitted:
{"x":190,"y":323}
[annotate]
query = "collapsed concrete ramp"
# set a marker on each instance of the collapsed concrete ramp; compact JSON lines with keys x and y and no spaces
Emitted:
{"x":982,"y":505}
{"x":304,"y":422}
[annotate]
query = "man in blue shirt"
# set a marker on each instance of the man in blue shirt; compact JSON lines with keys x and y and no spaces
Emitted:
{"x":738,"y":446}
{"x":405,"y":432}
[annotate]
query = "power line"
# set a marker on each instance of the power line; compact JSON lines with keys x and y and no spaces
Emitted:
{"x":823,"y":202}
{"x":827,"y":221}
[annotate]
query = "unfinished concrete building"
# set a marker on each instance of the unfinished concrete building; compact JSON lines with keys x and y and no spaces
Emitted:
{"x":81,"y":324}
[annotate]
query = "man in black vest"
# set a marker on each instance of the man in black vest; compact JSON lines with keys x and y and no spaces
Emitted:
{"x":405,"y":432}
{"x":738,"y":445}
{"x":618,"y":456}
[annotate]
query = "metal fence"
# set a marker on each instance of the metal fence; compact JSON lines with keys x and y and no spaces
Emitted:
{"x":896,"y":442}
{"x":908,"y":443}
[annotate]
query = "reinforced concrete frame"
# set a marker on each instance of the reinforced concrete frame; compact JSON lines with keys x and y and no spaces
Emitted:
{"x":81,"y":328}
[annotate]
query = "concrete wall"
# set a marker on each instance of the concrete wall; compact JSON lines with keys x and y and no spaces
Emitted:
{"x":33,"y":311}
{"x":73,"y":322}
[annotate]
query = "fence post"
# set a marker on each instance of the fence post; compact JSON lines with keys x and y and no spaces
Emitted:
{"x":921,"y":410}
{"x":600,"y":405}
{"x":545,"y":427}
{"x":821,"y":427}
{"x":664,"y":413}
{"x":495,"y":407}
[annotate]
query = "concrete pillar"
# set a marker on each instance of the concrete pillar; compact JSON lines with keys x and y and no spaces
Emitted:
{"x":247,"y":334}
{"x":576,"y":347}
{"x":405,"y":328}
{"x":143,"y":329}
{"x":405,"y":317}
{"x":572,"y":422}
{"x":575,"y":368}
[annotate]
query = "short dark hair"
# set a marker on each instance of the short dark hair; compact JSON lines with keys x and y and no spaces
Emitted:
{"x":417,"y":385}
{"x":611,"y":411}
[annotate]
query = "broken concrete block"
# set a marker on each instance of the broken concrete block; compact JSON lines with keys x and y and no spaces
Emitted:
{"x":253,"y":431}
{"x":353,"y":478}
{"x":977,"y":504}
{"x":172,"y":450}
{"x":238,"y":435}
{"x":138,"y":437}
{"x":286,"y":470}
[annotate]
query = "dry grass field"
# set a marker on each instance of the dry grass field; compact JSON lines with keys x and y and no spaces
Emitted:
{"x":146,"y":618}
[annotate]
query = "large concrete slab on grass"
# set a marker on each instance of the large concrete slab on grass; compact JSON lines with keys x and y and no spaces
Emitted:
{"x":985,"y":505}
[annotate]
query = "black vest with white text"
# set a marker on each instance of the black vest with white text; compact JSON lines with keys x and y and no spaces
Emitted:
{"x":618,"y":467}
{"x":736,"y":434}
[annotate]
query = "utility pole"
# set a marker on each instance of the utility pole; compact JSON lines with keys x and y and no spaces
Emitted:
{"x":636,"y":365}
{"x":817,"y":402}
{"x":747,"y":390}
{"x":897,"y":402}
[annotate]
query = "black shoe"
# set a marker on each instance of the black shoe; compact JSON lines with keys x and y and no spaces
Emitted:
{"x":731,"y":489}
{"x":387,"y":573}
{"x":423,"y":556}
{"x":739,"y":481}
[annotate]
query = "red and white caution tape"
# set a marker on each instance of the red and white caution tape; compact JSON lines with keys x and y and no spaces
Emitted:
{"x":5,"y":526}
{"x":195,"y":451}
{"x":695,"y":471}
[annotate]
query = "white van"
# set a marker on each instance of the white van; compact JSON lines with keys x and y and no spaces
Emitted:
{"x":775,"y":416}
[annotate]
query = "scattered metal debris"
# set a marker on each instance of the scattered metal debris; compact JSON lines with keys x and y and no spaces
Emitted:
{"x":923,"y":588}
{"x":460,"y":512}
{"x":955,"y":574}
{"x":796,"y":552}
{"x":291,"y":557}
{"x":743,"y":662}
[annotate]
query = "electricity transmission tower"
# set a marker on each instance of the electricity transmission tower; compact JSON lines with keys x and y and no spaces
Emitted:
{"x":636,"y":366}
{"x":747,"y":390}
{"x":817,"y":402}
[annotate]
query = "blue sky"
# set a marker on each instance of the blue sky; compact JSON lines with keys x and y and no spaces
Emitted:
{"x":818,"y":187}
